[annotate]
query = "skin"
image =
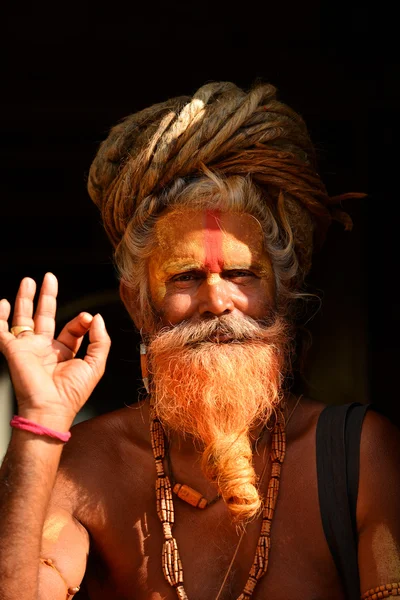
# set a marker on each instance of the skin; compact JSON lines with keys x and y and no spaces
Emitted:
{"x":104,"y":490}
{"x":210,"y":264}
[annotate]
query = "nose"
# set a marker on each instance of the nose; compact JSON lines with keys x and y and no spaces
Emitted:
{"x":215,"y":296}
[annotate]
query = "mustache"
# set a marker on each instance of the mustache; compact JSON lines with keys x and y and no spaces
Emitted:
{"x":216,"y":330}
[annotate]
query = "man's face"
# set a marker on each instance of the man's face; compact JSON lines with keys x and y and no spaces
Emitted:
{"x":210,"y":264}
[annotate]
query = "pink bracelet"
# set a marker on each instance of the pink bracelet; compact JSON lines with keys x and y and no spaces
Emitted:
{"x":21,"y":423}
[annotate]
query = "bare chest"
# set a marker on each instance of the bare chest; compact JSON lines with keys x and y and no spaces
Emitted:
{"x":125,"y":562}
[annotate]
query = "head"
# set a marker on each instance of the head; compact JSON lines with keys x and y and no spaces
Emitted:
{"x":214,"y":207}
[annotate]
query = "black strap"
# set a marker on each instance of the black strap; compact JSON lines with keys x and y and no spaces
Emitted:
{"x":338,"y":462}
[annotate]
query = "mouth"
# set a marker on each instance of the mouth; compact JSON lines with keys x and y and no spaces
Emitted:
{"x":221,"y":338}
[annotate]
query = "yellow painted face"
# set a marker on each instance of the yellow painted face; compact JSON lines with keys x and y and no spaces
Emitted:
{"x":210,"y":262}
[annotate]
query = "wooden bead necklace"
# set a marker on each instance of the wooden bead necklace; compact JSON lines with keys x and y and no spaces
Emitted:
{"x":171,"y":561}
{"x":389,"y":590}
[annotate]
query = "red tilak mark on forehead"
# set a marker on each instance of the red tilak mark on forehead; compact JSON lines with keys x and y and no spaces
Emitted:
{"x":213,"y":241}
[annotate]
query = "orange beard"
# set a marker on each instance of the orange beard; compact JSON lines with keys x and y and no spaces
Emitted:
{"x":216,"y":380}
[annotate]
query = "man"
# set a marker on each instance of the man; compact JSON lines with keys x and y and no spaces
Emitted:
{"x":214,"y":207}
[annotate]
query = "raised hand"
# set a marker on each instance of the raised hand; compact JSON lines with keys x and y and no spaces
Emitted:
{"x":50,"y":384}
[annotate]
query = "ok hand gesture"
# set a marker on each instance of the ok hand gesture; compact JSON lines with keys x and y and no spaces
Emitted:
{"x":50,"y":384}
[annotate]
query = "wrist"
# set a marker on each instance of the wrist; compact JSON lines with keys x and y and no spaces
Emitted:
{"x":19,"y":422}
{"x":57,"y":422}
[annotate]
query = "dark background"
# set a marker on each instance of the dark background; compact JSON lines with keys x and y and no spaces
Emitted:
{"x":70,"y":71}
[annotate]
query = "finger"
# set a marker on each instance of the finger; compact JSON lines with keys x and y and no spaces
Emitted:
{"x":5,"y":310}
{"x":23,"y":308}
{"x":73,"y":333}
{"x":46,"y":308}
{"x":5,"y":335}
{"x":99,"y":346}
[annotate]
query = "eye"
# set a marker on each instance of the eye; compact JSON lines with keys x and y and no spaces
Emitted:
{"x":185,"y":277}
{"x":239,"y":274}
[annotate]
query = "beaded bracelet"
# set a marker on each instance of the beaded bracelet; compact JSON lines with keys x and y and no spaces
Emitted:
{"x":382,"y":591}
{"x":71,"y":591}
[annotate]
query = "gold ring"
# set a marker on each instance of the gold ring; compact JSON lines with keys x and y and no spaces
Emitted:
{"x":17,"y":329}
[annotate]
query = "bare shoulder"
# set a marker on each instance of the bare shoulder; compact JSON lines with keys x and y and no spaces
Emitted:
{"x":379,"y":435}
{"x":379,"y":479}
{"x":100,"y":450}
{"x":302,"y":415}
{"x":130,"y":422}
{"x":379,"y":485}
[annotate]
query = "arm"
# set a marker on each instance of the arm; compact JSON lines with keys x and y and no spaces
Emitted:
{"x":65,"y":542}
{"x":26,"y":482}
{"x":51,"y":386}
{"x":378,"y":506}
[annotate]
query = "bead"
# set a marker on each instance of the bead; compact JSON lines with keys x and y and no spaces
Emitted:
{"x":160,"y":468}
{"x":73,"y":590}
{"x":167,"y":530}
{"x":189,"y":495}
{"x":269,"y":513}
{"x":382,"y":591}
{"x":181,"y":593}
{"x":250,"y":586}
{"x":157,"y":439}
{"x":165,"y":509}
{"x":276,"y":470}
{"x":172,"y":565}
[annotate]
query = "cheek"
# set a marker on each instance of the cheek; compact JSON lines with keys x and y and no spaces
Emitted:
{"x":257,"y":301}
{"x":176,"y":307}
{"x":268,"y":290}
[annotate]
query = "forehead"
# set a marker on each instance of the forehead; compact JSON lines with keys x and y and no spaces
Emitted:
{"x":207,"y":235}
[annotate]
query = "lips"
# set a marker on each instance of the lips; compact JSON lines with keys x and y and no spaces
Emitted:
{"x":221,"y":338}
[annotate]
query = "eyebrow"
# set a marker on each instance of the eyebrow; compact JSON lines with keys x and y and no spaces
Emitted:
{"x":183,"y":265}
{"x":238,"y":267}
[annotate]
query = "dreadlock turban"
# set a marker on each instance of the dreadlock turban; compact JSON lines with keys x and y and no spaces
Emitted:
{"x":226,"y":130}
